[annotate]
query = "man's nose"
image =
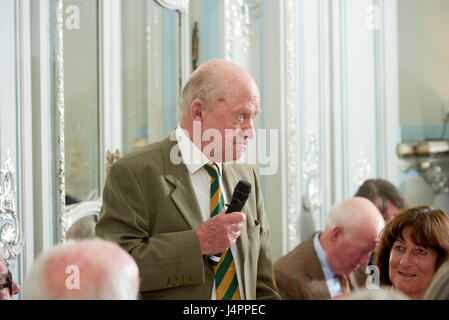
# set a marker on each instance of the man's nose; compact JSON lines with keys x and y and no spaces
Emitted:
{"x":249,"y":130}
{"x":365,"y":258}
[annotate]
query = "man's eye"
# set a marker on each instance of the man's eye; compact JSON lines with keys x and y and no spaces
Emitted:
{"x":242,"y":116}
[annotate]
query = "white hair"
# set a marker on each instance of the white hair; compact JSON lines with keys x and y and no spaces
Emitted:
{"x":339,"y":215}
{"x":116,"y":283}
{"x":352,"y":215}
{"x":203,"y":85}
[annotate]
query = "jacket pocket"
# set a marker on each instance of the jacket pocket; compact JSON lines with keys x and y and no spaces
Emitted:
{"x":253,"y":229}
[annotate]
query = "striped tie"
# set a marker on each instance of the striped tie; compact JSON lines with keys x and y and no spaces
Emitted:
{"x":344,"y":283}
{"x":226,"y":281}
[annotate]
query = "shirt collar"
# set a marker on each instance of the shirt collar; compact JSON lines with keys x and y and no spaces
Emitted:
{"x":325,"y":265}
{"x":192,"y":156}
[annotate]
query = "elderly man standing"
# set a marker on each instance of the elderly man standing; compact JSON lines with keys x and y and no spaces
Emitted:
{"x":318,"y":268}
{"x":164,"y":203}
{"x":8,"y":287}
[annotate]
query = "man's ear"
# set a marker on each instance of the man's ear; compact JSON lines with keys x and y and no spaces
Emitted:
{"x":196,"y":109}
{"x":336,"y":233}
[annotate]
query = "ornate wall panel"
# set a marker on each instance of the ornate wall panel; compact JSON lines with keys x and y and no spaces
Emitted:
{"x":16,"y":176}
{"x":11,"y":234}
{"x":291,"y":125}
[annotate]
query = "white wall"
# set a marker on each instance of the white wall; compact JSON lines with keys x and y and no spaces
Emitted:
{"x":423,"y":45}
{"x":423,"y":36}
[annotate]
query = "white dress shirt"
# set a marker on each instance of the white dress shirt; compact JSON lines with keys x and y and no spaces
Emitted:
{"x":195,"y":160}
{"x":333,"y":284}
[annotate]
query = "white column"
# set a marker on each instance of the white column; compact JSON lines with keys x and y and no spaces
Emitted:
{"x":388,"y":82}
{"x":25,"y":134}
{"x":110,"y":129}
{"x":275,"y":196}
{"x":43,"y":153}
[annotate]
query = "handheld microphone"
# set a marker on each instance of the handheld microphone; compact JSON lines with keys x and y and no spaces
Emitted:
{"x":239,"y":197}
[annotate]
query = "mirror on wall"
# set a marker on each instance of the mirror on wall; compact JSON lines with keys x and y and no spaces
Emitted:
{"x":81,"y":99}
{"x":149,"y":66}
{"x":150,"y":72}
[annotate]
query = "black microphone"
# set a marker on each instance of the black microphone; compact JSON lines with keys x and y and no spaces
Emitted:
{"x":239,"y":197}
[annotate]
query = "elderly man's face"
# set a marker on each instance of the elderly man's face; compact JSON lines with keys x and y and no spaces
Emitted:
{"x":5,"y":293}
{"x":353,"y":250}
{"x":233,"y":117}
{"x":355,"y":253}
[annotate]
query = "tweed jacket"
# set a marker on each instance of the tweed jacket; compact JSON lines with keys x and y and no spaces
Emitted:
{"x":298,"y":275}
{"x":150,"y":209}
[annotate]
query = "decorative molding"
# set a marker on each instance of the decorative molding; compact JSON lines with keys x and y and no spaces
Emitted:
{"x":364,"y":168}
{"x":290,"y":94}
{"x":435,"y":172}
{"x":64,"y":216}
{"x":180,"y":5}
{"x":184,"y":36}
{"x":11,"y":242}
{"x":311,"y":198}
{"x":238,"y":26}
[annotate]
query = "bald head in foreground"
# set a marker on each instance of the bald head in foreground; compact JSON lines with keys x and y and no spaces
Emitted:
{"x":83,"y":270}
{"x":319,"y":267}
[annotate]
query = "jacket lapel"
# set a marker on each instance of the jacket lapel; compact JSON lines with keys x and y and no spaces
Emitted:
{"x":183,"y":195}
{"x":315,"y":273}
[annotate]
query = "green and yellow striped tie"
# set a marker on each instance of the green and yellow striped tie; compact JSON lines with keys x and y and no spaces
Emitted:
{"x":226,"y":281}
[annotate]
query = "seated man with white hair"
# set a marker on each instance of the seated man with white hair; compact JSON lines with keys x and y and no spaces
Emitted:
{"x":91,"y":269}
{"x":318,"y":268}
